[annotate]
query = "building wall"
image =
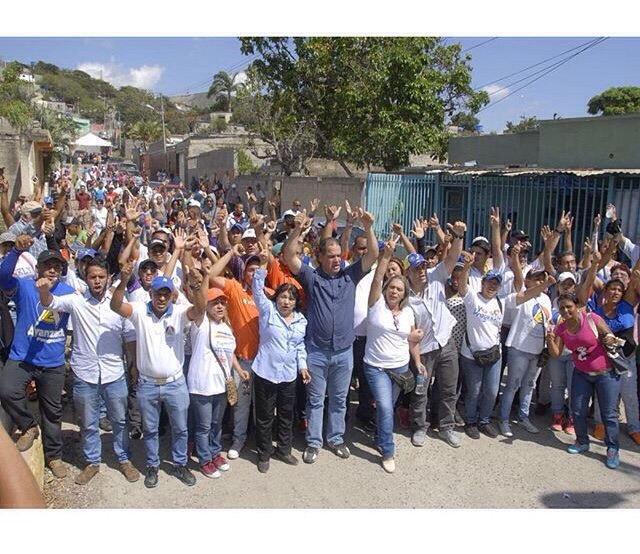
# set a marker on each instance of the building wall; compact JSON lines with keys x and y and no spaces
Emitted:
{"x":217,"y":164}
{"x":591,"y":142}
{"x":520,"y":149}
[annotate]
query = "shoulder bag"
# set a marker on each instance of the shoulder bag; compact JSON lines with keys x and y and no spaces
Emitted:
{"x":230,"y":384}
{"x":620,"y":363}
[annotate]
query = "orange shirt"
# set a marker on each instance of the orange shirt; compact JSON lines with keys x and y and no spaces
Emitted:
{"x":278,"y":273}
{"x":243,"y":315}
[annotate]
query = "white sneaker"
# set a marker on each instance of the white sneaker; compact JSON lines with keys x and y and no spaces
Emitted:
{"x":233,"y":454}
{"x":389,"y":465}
{"x":528,"y":426}
{"x":505,"y":429}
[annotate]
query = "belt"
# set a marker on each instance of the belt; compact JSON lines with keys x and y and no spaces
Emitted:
{"x":160,"y":381}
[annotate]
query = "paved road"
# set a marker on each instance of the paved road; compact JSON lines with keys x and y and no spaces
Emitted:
{"x":527,"y":471}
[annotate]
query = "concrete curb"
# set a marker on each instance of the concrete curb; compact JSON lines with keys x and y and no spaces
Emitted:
{"x":35,"y":460}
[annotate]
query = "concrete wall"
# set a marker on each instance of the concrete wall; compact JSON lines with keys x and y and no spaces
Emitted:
{"x":591,"y":142}
{"x":331,"y":190}
{"x":217,"y":164}
{"x":511,"y":149}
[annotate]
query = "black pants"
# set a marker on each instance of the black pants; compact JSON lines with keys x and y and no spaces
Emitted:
{"x":268,"y":398}
{"x":444,"y":363}
{"x":49,"y":385}
{"x":364,"y":411}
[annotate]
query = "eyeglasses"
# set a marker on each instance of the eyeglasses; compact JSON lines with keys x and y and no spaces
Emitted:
{"x":396,"y":323}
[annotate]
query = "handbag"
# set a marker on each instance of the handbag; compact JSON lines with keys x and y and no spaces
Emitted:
{"x":488,"y":357}
{"x":230,"y":384}
{"x":405,"y":380}
{"x":619,"y":362}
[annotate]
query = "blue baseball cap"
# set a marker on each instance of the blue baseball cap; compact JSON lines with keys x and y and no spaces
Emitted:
{"x":162,"y":282}
{"x":48,"y":200}
{"x":86,"y":252}
{"x":492,"y":274}
{"x":277,"y":248}
{"x":415,"y":259}
{"x":381,"y":244}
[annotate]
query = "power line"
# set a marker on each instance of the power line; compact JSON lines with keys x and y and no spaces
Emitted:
{"x":480,"y":44}
{"x":550,"y":69}
{"x":537,"y":64}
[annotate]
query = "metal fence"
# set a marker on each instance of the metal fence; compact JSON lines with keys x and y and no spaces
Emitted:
{"x":529,"y":200}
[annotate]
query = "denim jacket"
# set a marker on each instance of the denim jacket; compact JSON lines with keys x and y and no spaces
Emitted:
{"x":281,"y":354}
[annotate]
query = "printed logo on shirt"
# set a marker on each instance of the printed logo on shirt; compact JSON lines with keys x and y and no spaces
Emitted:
{"x":488,"y":315}
{"x":539,"y":314}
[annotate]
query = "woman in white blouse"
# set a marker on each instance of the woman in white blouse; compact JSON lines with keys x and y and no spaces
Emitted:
{"x":212,"y":361}
{"x":391,"y":341}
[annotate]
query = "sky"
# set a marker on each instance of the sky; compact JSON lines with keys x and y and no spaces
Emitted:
{"x":181,"y":65}
{"x":179,"y":54}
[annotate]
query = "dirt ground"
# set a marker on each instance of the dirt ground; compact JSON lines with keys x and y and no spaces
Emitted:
{"x":526,"y":471}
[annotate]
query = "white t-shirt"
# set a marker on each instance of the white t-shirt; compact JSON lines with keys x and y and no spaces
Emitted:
{"x":528,"y":330}
{"x":25,"y":266}
{"x":387,"y":346}
{"x":160,"y":342}
{"x":484,"y":321}
{"x":361,"y":306}
{"x":205,"y":375}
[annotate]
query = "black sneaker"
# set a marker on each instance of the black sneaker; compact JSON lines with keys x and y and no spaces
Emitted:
{"x":263,"y":466}
{"x":151,"y":479}
{"x":289,"y":458}
{"x":471,"y":429}
{"x":310,"y":455}
{"x":184,"y":475}
{"x":340,"y":450}
{"x":488,"y":429}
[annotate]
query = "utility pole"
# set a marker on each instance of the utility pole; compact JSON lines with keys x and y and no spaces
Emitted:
{"x":164,"y":135}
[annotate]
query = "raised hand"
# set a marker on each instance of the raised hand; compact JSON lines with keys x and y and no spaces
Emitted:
{"x":302,"y":222}
{"x":508,"y":225}
{"x":433,"y":222}
{"x":550,"y":281}
{"x":390,"y":247}
{"x":367,"y":218}
{"x":263,"y":254}
{"x":351,"y":213}
{"x":238,"y":249}
{"x":397,"y":228}
{"x":126,"y":270}
{"x":469,"y":259}
{"x":314,"y":205}
{"x":597,"y":221}
{"x":546,"y":233}
{"x":331,"y":212}
{"x":458,"y":228}
{"x":44,"y":284}
{"x":180,"y":239}
{"x":418,"y":229}
{"x":494,"y":217}
{"x":270,"y":227}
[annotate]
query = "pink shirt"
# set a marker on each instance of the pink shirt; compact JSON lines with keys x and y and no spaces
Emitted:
{"x":588,"y":354}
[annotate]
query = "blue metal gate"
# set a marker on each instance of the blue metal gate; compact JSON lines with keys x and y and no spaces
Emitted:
{"x":530,"y":200}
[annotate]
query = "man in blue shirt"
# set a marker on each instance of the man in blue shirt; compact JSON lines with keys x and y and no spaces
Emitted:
{"x":331,"y":292}
{"x":37,"y":353}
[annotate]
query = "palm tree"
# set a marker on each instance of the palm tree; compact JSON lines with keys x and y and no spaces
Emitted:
{"x":145,"y":132}
{"x":223,"y":84}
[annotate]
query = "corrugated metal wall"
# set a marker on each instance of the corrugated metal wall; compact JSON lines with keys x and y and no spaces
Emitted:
{"x":528,"y":200}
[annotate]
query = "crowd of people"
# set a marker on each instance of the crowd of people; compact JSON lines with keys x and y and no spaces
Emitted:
{"x":198,"y":308}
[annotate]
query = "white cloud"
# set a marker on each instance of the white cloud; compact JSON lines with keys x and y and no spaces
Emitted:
{"x":496,"y":92}
{"x":144,"y":77}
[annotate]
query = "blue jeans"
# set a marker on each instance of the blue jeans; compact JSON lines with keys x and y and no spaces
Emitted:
{"x":482,"y":384}
{"x":607,"y":389}
{"x":207,"y":415}
{"x":385,"y":392}
{"x":561,"y":370}
{"x":629,"y":394}
{"x":331,"y":373}
{"x":175,"y":398}
{"x":87,"y":399}
{"x":521,"y":374}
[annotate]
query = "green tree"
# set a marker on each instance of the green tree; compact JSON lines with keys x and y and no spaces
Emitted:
{"x":615,"y":101}
{"x":525,"y":124}
{"x":15,"y":98}
{"x":466,"y":121}
{"x":290,"y":141}
{"x":245,"y":165}
{"x":224,"y":85}
{"x":370,"y":100}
